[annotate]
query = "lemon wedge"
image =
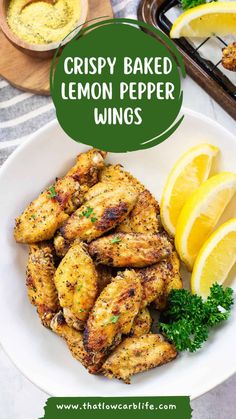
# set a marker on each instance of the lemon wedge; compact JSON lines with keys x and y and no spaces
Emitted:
{"x":211,"y":19}
{"x":201,"y":213}
{"x":187,"y":175}
{"x":215,"y":259}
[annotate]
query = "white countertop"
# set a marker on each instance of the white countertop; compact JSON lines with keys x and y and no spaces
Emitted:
{"x":22,"y":400}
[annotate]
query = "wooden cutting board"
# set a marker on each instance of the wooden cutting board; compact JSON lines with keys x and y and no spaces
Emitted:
{"x":32,"y":74}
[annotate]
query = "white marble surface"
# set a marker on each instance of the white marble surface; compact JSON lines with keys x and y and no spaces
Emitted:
{"x":20,"y":399}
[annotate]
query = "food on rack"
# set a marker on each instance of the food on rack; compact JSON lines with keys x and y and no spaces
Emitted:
{"x":115,"y":262}
{"x":40,"y":281}
{"x":229,"y":57}
{"x":113,"y":313}
{"x":137,"y":354}
{"x":45,"y":21}
{"x":201,"y":214}
{"x":206,"y":20}
{"x":135,"y":250}
{"x":46,"y":214}
{"x":76,"y":281}
{"x":186,"y":176}
{"x":215,"y":259}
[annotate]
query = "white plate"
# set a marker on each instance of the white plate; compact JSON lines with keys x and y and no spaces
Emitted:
{"x":38,"y":353}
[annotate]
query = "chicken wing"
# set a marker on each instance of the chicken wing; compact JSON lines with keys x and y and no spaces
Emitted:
{"x":113,"y":313}
{"x":116,"y":173}
{"x":153,"y":283}
{"x":40,"y":284}
{"x":130,"y":249}
{"x":46,"y":214}
{"x":142,"y":323}
{"x":105,"y":275}
{"x":229,"y":57}
{"x":169,"y":271}
{"x":76,"y":284}
{"x":137,"y":354}
{"x":97,"y":216}
{"x":143,"y":217}
{"x":74,"y":340}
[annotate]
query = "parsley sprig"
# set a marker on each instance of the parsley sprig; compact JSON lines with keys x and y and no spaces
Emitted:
{"x":188,"y":4}
{"x":188,"y":318}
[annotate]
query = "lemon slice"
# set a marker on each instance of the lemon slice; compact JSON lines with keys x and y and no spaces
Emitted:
{"x":211,"y":19}
{"x":215,"y":259}
{"x":201,"y":213}
{"x":188,"y":173}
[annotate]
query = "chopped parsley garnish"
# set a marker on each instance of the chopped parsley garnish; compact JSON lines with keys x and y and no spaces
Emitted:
{"x":114,"y":319}
{"x":188,"y":318}
{"x":52,"y":192}
{"x":87,"y":212}
{"x":116,"y":239}
{"x":79,"y":287}
{"x":188,"y":4}
{"x":93,"y":219}
{"x":33,"y":217}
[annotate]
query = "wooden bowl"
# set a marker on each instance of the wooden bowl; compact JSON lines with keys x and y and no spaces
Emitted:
{"x":38,"y":50}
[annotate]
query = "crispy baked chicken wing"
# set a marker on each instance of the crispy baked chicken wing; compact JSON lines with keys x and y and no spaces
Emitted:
{"x":39,"y":280}
{"x":229,"y":57}
{"x":142,"y":323}
{"x":168,"y":270}
{"x":137,"y":354}
{"x":113,"y":313}
{"x":134,"y":250}
{"x":105,"y":275}
{"x":143,"y":217}
{"x":96,"y":217}
{"x":76,"y":284}
{"x":153,"y":283}
{"x":46,"y":214}
{"x":74,"y":340}
{"x":116,"y":173}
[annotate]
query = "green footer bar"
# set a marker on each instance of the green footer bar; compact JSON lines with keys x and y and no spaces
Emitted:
{"x":118,"y":407}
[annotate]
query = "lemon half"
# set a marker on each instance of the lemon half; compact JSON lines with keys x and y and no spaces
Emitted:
{"x":211,"y":19}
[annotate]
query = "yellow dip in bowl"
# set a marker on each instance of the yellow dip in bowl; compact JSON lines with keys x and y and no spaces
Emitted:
{"x":41,"y":22}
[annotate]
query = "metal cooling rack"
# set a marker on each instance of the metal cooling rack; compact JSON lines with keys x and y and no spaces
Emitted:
{"x":209,"y":73}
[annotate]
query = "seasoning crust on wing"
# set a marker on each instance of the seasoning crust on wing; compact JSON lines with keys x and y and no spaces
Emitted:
{"x":74,"y":340}
{"x":116,"y":173}
{"x":46,"y":214}
{"x":39,"y":281}
{"x":97,"y":216}
{"x":76,"y":283}
{"x":138,"y":354}
{"x":169,"y":270}
{"x":113,"y":313}
{"x":142,"y":323}
{"x":133,"y":250}
{"x":143,"y":217}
